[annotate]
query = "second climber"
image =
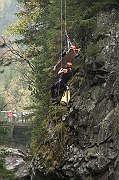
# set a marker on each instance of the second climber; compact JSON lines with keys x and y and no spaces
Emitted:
{"x":65,"y":75}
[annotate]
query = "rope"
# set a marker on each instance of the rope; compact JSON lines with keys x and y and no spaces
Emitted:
{"x":61,"y":33}
{"x":68,"y":42}
{"x":65,"y":29}
{"x":55,"y":113}
{"x":65,"y":16}
{"x":61,"y":26}
{"x":61,"y":134}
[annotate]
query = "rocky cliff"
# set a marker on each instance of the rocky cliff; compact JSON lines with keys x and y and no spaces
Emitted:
{"x":92,"y":151}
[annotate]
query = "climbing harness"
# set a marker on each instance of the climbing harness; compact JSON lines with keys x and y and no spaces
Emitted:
{"x":69,"y":44}
{"x":67,"y":56}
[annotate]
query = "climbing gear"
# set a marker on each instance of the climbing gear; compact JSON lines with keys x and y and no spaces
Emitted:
{"x":67,"y":56}
{"x":68,"y":42}
{"x":65,"y":97}
{"x":53,"y":100}
{"x":58,"y":90}
{"x":73,"y":47}
{"x":69,"y":65}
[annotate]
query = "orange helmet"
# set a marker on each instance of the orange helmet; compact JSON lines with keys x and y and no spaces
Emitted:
{"x":69,"y":65}
{"x":73,"y":47}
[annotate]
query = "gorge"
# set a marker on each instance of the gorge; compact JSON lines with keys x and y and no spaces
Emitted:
{"x":85,"y":143}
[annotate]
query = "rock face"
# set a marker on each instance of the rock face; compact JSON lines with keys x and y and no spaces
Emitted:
{"x":16,"y":161}
{"x":93,"y":121}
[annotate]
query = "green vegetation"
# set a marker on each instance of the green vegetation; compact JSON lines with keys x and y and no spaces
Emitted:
{"x":39,"y":24}
{"x":4,"y":173}
{"x":92,"y":51}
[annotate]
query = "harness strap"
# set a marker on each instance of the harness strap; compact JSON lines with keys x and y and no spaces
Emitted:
{"x":68,"y":40}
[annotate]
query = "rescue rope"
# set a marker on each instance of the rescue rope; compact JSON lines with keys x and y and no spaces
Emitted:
{"x":65,"y":24}
{"x":65,"y":15}
{"x":55,"y":114}
{"x":61,"y":33}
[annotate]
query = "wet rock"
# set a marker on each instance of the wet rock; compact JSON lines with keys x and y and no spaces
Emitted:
{"x":15,"y":161}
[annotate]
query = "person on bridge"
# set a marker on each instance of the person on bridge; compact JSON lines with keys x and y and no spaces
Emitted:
{"x":9,"y":115}
{"x":23,"y":115}
{"x":14,"y":115}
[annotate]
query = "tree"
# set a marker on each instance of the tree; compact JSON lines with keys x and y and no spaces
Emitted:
{"x":39,"y":25}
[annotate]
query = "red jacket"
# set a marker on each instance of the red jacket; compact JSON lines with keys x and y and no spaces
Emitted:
{"x":9,"y":114}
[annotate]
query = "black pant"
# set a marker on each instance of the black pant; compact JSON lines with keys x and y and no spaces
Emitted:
{"x":56,"y":87}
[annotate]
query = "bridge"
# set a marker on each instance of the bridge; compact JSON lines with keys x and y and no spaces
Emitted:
{"x":19,"y":135}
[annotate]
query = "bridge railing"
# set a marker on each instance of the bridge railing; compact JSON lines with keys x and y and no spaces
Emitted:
{"x":18,"y":119}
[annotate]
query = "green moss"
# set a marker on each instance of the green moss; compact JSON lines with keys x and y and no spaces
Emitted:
{"x":56,"y":112}
{"x":105,"y":5}
{"x":92,"y":51}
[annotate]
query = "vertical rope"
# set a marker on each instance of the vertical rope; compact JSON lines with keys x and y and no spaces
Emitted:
{"x":65,"y":16}
{"x":61,"y":133}
{"x":55,"y":114}
{"x":61,"y":32}
{"x":65,"y":29}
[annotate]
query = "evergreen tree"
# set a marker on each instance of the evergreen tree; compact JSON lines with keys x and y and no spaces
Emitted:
{"x":42,"y":29}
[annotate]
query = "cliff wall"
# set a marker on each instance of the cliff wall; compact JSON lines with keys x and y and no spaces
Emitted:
{"x":93,"y":121}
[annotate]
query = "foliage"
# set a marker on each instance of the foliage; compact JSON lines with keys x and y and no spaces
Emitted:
{"x":16,"y":91}
{"x":105,"y":5}
{"x":39,"y":24}
{"x":1,"y":101}
{"x":92,"y":51}
{"x":3,"y":132}
{"x":4,"y":173}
